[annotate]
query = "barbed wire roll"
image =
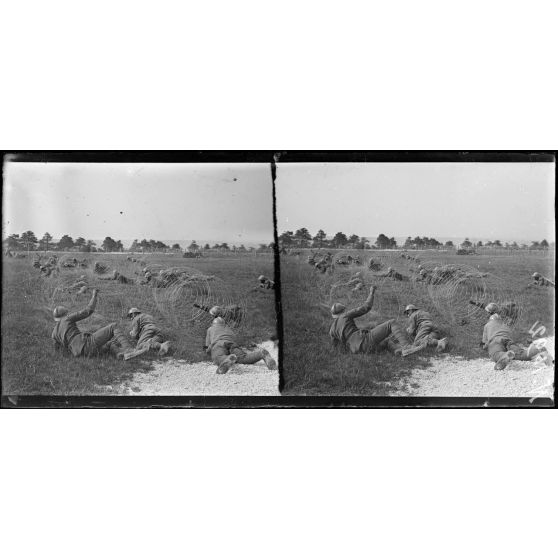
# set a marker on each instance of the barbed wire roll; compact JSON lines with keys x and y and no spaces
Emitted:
{"x":186,"y":300}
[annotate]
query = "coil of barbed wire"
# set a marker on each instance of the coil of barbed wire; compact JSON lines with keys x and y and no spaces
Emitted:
{"x":189,"y":296}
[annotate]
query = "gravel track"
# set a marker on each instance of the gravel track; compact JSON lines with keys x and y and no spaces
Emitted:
{"x":178,"y":377}
{"x":455,"y":376}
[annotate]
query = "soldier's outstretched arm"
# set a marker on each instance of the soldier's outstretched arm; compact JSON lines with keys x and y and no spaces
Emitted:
{"x":87,"y":311}
{"x":201,"y":307}
{"x":365,"y":308}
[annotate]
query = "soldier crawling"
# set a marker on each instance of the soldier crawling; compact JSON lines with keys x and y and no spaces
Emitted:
{"x":117,"y":276}
{"x":395,"y":275}
{"x":422,"y":330}
{"x":497,"y":339}
{"x":220,"y":343}
{"x":147,"y":333}
{"x":540,"y":281}
{"x":265,"y":283}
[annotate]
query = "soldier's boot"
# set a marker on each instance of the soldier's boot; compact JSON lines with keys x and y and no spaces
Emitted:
{"x":227,"y":364}
{"x":269,"y":361}
{"x":135,"y":353}
{"x":504,"y":360}
{"x":409,"y":350}
{"x":534,"y":349}
{"x":442,"y":345}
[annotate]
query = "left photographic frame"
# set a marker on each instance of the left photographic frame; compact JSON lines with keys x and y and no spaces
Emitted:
{"x":138,"y":279}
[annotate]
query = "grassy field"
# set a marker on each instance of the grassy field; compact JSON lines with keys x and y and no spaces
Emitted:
{"x":29,"y":364}
{"x":311,"y":366}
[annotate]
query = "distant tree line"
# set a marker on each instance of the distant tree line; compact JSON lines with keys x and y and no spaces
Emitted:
{"x":303,"y":239}
{"x":28,"y":241}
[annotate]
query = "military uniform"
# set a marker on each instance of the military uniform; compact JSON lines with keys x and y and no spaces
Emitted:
{"x":146,"y":332}
{"x":541,"y":281}
{"x":497,"y":338}
{"x":220,"y":342}
{"x":421,"y":329}
{"x":344,"y":331}
{"x":67,"y":335}
{"x":266,"y":283}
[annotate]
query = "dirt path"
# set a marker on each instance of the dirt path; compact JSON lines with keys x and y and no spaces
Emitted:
{"x":178,"y":377}
{"x":454,"y":376}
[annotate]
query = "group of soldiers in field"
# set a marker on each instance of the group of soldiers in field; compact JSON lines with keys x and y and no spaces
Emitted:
{"x":421,"y":332}
{"x":145,"y":334}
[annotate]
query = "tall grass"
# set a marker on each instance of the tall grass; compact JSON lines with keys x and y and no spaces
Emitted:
{"x":312,"y":367}
{"x":29,"y":364}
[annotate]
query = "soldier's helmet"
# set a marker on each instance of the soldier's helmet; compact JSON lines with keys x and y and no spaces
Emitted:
{"x":133,"y":311}
{"x":390,"y":268}
{"x":492,"y":308}
{"x":338,"y":308}
{"x":536,"y":275}
{"x":409,"y":308}
{"x":422,"y":272}
{"x":215,"y":311}
{"x":261,"y":278}
{"x":59,"y":311}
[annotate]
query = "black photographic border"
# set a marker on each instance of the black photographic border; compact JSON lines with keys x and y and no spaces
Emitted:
{"x":274,"y":157}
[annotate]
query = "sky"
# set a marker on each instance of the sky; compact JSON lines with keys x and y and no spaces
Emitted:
{"x":504,"y":201}
{"x":178,"y":201}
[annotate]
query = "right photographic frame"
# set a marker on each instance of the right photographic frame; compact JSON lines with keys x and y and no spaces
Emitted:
{"x":417,"y":277}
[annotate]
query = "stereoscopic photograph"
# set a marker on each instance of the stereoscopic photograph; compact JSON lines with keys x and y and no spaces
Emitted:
{"x":428,"y":279}
{"x":138,"y":279}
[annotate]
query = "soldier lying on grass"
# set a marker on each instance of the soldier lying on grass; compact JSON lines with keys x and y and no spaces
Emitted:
{"x":344,"y":331}
{"x":147,"y":333}
{"x":265,"y":283}
{"x":502,"y":349}
{"x":221,"y":344}
{"x":117,"y":276}
{"x":422,"y":330}
{"x":395,"y":275}
{"x":67,"y":336}
{"x":540,"y":281}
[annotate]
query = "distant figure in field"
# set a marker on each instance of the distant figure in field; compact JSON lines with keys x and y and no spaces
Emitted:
{"x":540,"y":281}
{"x":147,"y":334}
{"x":47,"y":270}
{"x":422,"y":330}
{"x":220,"y":343}
{"x":497,"y":339}
{"x":117,"y":276}
{"x":325,"y":264}
{"x":374,"y":265}
{"x":395,"y":275}
{"x":356,"y":282}
{"x":265,"y":283}
{"x":345,"y":332}
{"x":100,"y":268}
{"x":67,"y":336}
